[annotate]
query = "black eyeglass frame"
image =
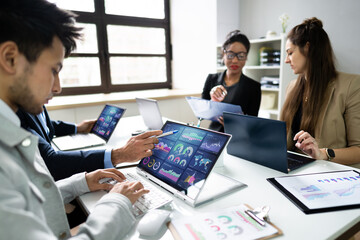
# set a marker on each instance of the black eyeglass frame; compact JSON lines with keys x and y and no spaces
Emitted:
{"x":241,"y":56}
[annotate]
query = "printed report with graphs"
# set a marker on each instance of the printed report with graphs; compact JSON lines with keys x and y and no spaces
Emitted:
{"x":229,"y":223}
{"x":320,"y":192}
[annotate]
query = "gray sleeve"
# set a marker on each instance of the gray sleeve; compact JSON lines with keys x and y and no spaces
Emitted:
{"x":16,"y":220}
{"x":111,"y":218}
{"x":72,"y":187}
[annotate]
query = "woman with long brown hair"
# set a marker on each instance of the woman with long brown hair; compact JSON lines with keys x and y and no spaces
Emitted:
{"x":322,"y":107}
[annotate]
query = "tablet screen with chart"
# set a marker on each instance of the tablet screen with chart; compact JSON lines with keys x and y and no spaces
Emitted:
{"x":107,"y":121}
{"x":185,"y":158}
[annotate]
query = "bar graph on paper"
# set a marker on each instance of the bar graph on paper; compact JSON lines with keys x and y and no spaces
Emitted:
{"x":325,"y":189}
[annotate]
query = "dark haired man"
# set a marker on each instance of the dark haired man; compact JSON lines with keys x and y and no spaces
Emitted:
{"x":35,"y":37}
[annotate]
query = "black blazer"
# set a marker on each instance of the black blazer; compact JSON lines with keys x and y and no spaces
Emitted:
{"x":248,"y":95}
{"x":61,"y":164}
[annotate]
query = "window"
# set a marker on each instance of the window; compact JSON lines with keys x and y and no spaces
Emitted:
{"x":125,"y":47}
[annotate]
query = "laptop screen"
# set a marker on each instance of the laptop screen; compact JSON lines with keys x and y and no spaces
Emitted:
{"x":259,"y":140}
{"x":184,"y":159}
{"x":107,"y":121}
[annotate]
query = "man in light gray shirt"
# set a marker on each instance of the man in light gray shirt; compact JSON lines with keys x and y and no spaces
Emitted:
{"x":35,"y":37}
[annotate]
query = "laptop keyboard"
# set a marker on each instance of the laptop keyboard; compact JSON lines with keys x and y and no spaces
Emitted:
{"x":294,"y":163}
{"x":152,"y":200}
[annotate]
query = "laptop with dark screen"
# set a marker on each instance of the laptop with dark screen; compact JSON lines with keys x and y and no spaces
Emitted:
{"x":99,"y":134}
{"x":262,"y":141}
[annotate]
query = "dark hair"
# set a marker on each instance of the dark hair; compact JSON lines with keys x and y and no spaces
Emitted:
{"x":320,"y":71}
{"x":236,"y":36}
{"x":32,"y":25}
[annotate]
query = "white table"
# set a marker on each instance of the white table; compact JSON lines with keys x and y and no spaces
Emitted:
{"x":292,"y":221}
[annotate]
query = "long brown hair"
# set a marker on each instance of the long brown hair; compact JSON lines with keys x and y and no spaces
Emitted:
{"x":313,"y":83}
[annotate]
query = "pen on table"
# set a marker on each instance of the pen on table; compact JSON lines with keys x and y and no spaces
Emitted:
{"x":167,"y":133}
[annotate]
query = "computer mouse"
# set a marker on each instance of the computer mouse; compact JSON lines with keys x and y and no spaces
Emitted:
{"x":153,"y":221}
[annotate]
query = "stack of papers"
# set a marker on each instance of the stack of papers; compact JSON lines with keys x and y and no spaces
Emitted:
{"x":230,"y":223}
{"x":210,"y":110}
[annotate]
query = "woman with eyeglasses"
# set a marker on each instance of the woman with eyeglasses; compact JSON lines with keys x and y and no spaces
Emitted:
{"x":232,"y":86}
{"x":322,"y":107}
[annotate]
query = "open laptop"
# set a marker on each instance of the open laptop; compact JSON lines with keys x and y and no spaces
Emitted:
{"x":150,"y":112}
{"x":262,"y":141}
{"x":182,"y":163}
{"x":99,"y":134}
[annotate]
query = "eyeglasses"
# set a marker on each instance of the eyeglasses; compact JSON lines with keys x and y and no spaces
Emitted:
{"x":240,"y":55}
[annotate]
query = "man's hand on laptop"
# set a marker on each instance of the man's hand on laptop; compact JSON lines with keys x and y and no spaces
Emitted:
{"x":93,"y":178}
{"x":136,"y":148}
{"x":131,"y":190}
{"x":85,"y":126}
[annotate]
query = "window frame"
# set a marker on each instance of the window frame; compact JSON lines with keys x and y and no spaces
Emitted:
{"x":101,"y":20}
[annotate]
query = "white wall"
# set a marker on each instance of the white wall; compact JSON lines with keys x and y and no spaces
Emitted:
{"x":341,"y":21}
{"x":228,"y":18}
{"x":193,"y":37}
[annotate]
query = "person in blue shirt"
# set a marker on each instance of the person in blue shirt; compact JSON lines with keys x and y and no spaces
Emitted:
{"x":63,"y":164}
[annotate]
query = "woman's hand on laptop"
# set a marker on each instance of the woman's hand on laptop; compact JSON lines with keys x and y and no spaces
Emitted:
{"x":306,"y":143}
{"x":131,"y":190}
{"x":94,"y":177}
{"x":136,"y":148}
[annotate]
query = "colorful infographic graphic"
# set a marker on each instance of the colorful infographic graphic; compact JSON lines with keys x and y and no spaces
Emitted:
{"x":231,"y":223}
{"x":202,"y":161}
{"x":181,"y":154}
{"x":172,"y":127}
{"x":107,"y":121}
{"x":213,"y":142}
{"x":189,"y":178}
{"x":193,"y":136}
{"x":186,"y":157}
{"x":163,"y":148}
{"x":151,"y":163}
{"x":170,"y":172}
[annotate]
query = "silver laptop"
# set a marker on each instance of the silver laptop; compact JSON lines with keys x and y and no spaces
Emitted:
{"x":182,"y":163}
{"x":262,"y":141}
{"x":150,"y":112}
{"x":99,"y":134}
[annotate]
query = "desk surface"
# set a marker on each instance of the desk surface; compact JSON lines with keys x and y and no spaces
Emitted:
{"x":291,"y":220}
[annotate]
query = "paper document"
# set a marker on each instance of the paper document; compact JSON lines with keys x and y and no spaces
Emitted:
{"x":210,"y":110}
{"x":230,"y":223}
{"x":320,"y":192}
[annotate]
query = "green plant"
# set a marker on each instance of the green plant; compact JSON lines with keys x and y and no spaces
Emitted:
{"x":284,"y":18}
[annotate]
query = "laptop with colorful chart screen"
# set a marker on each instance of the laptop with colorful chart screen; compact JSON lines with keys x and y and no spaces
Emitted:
{"x":182,"y":163}
{"x":99,"y":134}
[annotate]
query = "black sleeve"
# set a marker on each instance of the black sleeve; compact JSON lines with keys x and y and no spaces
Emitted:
{"x":254,"y":105}
{"x":209,"y":84}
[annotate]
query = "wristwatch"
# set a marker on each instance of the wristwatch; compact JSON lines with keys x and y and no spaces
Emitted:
{"x":330,"y":153}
